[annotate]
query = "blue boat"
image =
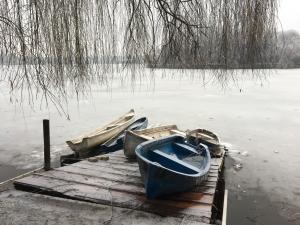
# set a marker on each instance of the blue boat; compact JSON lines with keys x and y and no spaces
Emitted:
{"x":170,"y":165}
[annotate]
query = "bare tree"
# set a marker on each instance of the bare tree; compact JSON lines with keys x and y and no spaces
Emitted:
{"x":75,"y":42}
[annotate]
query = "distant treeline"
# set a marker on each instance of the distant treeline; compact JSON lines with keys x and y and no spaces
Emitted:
{"x":282,"y":51}
{"x":288,"y":54}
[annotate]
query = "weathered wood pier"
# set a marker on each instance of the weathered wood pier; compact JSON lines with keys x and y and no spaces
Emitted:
{"x":107,"y":192}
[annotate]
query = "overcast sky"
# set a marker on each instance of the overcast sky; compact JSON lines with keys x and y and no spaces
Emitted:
{"x":289,"y":14}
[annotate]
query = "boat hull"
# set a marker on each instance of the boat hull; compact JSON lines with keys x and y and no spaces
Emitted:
{"x":162,"y":178}
{"x":159,"y":182}
{"x":84,"y":143}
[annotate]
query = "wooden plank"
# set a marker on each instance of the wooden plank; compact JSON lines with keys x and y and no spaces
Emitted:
{"x":112,"y":184}
{"x":201,"y":212}
{"x":111,"y":161}
{"x":205,"y":190}
{"x":114,"y":166}
{"x":105,"y":169}
{"x":19,"y":208}
{"x":100,"y":169}
{"x":126,"y":178}
{"x":219,"y":161}
{"x":193,"y":197}
{"x":124,"y":166}
{"x":119,"y":159}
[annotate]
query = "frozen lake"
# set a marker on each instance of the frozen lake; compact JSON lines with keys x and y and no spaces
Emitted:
{"x":260,"y":121}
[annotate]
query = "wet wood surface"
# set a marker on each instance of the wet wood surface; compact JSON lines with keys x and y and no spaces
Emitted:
{"x":117,"y":182}
{"x":19,"y":208}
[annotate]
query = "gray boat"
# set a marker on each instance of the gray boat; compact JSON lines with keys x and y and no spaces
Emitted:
{"x":134,"y":138}
{"x":208,"y":138}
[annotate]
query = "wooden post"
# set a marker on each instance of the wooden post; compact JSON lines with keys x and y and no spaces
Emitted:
{"x":46,"y":133}
{"x":224,"y":218}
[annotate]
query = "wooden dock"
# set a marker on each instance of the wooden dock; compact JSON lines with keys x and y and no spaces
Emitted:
{"x":109,"y":192}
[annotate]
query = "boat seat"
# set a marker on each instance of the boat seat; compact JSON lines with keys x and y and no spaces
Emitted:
{"x":188,"y":149}
{"x":203,"y":136}
{"x":178,"y":132}
{"x":173,"y":163}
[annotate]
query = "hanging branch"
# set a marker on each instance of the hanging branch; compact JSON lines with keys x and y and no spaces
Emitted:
{"x":67,"y":45}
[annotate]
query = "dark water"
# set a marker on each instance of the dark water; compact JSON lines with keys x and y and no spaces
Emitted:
{"x":8,"y":172}
{"x":249,"y":206}
{"x":261,"y":119}
{"x":255,"y":208}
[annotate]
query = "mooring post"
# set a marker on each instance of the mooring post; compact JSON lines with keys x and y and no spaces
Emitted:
{"x":46,"y":133}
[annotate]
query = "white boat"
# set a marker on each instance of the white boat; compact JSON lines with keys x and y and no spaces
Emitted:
{"x":85,"y":142}
{"x":134,"y":138}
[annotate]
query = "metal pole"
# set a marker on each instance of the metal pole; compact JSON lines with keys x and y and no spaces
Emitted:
{"x":46,"y":133}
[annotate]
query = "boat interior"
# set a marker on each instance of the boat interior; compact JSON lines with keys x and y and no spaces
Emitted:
{"x":176,"y":156}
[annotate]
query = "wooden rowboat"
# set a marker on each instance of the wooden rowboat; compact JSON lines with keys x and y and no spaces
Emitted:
{"x":85,"y":142}
{"x":170,"y":165}
{"x":208,"y":138}
{"x":134,"y":138}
